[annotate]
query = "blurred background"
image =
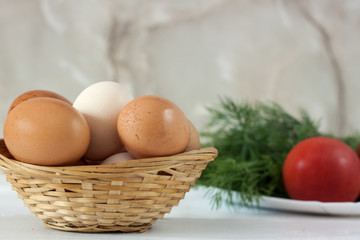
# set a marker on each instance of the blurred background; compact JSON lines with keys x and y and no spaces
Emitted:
{"x":300,"y":53}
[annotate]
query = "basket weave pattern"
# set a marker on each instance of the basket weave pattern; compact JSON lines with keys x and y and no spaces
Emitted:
{"x":127,"y":196}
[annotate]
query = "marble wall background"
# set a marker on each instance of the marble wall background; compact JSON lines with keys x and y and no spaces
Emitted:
{"x":299,"y":53}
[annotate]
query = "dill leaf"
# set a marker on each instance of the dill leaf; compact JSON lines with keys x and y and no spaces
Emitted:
{"x":253,"y":140}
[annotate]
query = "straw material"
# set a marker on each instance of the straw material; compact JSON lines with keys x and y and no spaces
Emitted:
{"x":127,"y":196}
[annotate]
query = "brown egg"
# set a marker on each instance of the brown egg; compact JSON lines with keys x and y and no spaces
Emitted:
{"x":152,"y":126}
{"x":36,"y":93}
{"x":46,"y":131}
{"x":194,"y":142}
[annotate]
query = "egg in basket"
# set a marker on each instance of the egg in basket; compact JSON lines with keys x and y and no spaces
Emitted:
{"x":107,"y":163}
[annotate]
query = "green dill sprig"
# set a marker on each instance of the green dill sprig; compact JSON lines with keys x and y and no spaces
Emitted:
{"x":253,"y":140}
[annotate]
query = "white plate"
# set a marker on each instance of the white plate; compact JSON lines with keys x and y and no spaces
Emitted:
{"x":315,"y":207}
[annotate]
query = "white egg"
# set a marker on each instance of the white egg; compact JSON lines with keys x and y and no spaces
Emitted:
{"x":101,"y":104}
{"x":119,"y":157}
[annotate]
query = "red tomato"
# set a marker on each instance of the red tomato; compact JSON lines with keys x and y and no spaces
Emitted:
{"x":322,"y":169}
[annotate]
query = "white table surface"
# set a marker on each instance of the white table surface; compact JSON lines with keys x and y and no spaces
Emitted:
{"x":192,"y":219}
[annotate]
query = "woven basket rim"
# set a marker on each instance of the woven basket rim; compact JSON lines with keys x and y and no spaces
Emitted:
{"x":127,"y":167}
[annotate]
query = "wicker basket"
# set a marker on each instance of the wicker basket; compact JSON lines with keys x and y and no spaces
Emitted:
{"x":127,"y":196}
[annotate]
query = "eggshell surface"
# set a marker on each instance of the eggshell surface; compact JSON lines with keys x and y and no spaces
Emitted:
{"x":36,"y":93}
{"x":194,"y":142}
{"x":118,"y":157}
{"x":101,"y":104}
{"x":152,"y":126}
{"x":46,"y":131}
